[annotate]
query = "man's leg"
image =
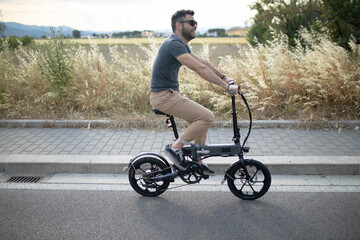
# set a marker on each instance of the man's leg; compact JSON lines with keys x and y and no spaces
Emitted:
{"x":178,"y":105}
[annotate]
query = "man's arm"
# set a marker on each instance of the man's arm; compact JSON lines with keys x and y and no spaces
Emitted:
{"x":203,"y":69}
{"x":219,"y":74}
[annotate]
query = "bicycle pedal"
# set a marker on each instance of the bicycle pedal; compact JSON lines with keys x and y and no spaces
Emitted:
{"x":205,"y":176}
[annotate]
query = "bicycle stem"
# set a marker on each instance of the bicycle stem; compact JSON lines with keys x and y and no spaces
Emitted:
{"x":236,"y":129}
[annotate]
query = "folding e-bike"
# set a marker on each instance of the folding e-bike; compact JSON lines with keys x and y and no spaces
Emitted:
{"x":150,"y":174}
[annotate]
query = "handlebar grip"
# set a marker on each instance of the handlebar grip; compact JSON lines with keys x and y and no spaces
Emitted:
{"x":233,"y":92}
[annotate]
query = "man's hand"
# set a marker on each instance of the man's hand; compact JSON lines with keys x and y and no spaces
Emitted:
{"x":233,"y":89}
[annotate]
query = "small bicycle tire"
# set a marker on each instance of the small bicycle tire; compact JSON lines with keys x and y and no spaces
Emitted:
{"x":255,"y":186}
{"x":141,"y":172}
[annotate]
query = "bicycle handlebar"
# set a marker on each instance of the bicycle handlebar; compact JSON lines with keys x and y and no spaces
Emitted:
{"x":233,"y":92}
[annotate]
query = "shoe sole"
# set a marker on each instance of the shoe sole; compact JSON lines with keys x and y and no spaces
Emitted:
{"x":175,"y":161}
{"x":207,"y":172}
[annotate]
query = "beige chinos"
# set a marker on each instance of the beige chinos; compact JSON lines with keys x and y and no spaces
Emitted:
{"x":177,"y":104}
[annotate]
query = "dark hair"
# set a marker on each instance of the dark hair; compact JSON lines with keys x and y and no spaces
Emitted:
{"x":178,"y":16}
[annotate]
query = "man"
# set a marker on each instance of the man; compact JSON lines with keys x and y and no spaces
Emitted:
{"x":165,"y":95}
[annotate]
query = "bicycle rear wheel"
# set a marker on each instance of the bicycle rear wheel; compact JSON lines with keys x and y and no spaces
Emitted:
{"x":250,"y":188}
{"x":141,"y":172}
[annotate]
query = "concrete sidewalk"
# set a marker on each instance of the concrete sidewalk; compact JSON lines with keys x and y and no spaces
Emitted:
{"x":76,"y":150}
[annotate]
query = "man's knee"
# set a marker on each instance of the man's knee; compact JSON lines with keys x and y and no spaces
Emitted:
{"x":209,"y":118}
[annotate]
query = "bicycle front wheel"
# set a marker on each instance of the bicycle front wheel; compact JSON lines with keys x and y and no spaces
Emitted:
{"x":252,"y":187}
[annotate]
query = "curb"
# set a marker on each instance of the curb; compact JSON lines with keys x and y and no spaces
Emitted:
{"x":114,"y":164}
{"x":38,"y":123}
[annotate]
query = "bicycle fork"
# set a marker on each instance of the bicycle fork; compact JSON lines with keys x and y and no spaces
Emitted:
{"x":242,"y":165}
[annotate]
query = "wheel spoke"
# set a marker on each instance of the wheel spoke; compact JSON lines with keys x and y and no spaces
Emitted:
{"x":140,"y":169}
{"x":242,"y":187}
{"x":254,"y":192}
{"x":254,"y":174}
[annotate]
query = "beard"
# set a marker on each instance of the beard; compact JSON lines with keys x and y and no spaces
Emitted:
{"x":187,"y":34}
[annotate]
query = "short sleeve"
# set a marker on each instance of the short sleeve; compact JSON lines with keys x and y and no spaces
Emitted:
{"x":177,"y":48}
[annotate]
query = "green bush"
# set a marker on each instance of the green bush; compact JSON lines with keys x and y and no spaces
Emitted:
{"x":13,"y":42}
{"x":55,"y":59}
{"x":26,"y":40}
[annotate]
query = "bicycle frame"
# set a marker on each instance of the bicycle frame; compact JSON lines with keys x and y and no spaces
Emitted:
{"x":225,"y":150}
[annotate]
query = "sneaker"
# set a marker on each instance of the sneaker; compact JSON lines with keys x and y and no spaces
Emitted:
{"x":206,"y":170}
{"x":177,"y":157}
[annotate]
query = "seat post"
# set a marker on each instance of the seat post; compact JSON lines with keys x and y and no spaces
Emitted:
{"x":172,"y":122}
{"x":173,"y":126}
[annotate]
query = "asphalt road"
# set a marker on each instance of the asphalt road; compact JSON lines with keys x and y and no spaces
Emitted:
{"x":109,"y":214}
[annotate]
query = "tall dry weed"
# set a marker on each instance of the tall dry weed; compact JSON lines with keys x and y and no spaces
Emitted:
{"x":319,"y":81}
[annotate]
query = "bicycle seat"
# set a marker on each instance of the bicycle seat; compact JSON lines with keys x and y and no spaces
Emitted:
{"x":158,"y":112}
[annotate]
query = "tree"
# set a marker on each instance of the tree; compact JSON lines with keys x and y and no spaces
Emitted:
{"x":127,"y":34}
{"x":342,"y":18}
{"x":285,"y":16}
{"x":76,"y":33}
{"x":2,"y":26}
{"x":260,"y":29}
{"x":217,"y":32}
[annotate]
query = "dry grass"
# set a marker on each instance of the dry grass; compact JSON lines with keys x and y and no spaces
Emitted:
{"x":146,"y":41}
{"x":318,"y":83}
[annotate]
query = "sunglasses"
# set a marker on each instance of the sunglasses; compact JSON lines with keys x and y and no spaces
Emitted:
{"x":191,"y":22}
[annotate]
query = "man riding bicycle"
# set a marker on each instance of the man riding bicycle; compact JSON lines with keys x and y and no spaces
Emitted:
{"x":165,"y":95}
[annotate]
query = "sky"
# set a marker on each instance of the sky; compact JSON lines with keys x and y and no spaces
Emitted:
{"x":124,"y":15}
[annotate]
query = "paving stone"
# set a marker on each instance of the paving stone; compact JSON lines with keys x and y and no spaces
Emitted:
{"x":262,"y":141}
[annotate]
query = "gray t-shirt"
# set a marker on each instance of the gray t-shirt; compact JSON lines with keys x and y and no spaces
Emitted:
{"x":166,"y":67}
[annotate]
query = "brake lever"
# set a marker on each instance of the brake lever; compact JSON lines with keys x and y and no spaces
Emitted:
{"x":232,"y":82}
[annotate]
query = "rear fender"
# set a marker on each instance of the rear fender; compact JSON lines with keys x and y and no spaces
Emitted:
{"x":150,"y":154}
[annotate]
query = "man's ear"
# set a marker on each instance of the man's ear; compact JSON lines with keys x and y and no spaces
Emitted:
{"x":178,"y":25}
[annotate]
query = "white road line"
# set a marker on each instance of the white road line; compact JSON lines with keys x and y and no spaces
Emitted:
{"x":189,"y":188}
